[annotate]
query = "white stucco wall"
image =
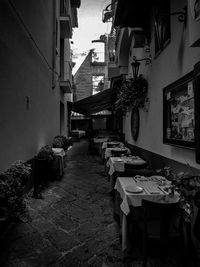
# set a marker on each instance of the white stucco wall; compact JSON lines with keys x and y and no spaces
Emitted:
{"x":24,"y":77}
{"x":177,"y":59}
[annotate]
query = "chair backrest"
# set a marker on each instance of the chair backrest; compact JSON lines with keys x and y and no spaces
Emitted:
{"x":142,"y":172}
{"x":118,"y":153}
{"x":128,"y":166}
{"x":112,"y":145}
{"x":166,"y":217}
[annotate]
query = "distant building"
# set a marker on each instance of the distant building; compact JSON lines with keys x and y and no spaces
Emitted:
{"x":92,"y":77}
{"x":35,"y":77}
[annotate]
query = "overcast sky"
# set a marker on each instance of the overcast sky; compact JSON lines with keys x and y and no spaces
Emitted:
{"x":90,"y":27}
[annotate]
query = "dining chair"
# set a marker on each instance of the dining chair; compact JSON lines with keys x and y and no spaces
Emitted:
{"x":141,"y":172}
{"x":129,"y":166}
{"x":118,"y":153}
{"x":161,"y":224}
{"x":111,"y":145}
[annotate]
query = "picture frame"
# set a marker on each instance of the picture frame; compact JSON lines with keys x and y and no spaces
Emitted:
{"x":196,"y":83}
{"x":179,"y":113}
{"x":193,"y":21}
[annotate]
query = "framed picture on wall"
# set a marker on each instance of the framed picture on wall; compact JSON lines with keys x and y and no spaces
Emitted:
{"x":196,"y":82}
{"x":179,"y":113}
{"x":193,"y":21}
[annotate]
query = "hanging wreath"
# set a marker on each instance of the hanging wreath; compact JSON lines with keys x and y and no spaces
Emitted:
{"x":132,"y":94}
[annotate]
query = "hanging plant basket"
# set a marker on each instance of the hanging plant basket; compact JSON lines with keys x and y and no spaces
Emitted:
{"x":132,"y":94}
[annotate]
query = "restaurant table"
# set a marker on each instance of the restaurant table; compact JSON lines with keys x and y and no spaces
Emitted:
{"x":152,"y":188}
{"x":79,"y":133}
{"x":108,"y":151}
{"x":98,"y":141}
{"x":59,"y":163}
{"x":110,"y":144}
{"x":117,"y":164}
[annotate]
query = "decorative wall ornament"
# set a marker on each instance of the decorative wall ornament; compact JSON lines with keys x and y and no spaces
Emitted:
{"x":135,"y":123}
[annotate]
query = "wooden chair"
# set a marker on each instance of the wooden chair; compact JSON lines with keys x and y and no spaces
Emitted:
{"x":162,"y":225}
{"x":129,"y":166}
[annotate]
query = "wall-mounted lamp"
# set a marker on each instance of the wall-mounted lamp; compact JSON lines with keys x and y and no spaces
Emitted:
{"x":136,"y":65}
{"x":108,"y":13}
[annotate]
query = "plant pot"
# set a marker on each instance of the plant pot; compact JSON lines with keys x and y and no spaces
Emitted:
{"x":43,"y":172}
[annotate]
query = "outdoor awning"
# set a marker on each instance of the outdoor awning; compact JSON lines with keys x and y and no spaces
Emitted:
{"x":95,"y":103}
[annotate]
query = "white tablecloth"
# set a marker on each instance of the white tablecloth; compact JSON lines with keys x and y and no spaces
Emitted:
{"x":59,"y":161}
{"x":59,"y":151}
{"x":108,"y":151}
{"x":100,"y":140}
{"x":114,"y":143}
{"x":118,"y":163}
{"x":135,"y":199}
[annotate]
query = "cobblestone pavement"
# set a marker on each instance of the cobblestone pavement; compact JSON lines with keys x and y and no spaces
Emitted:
{"x":73,"y":225}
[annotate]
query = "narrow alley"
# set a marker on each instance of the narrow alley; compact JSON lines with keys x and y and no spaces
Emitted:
{"x":73,"y":225}
{"x":100,"y":133}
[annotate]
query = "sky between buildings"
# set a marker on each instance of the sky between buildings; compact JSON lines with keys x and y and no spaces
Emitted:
{"x":90,"y":28}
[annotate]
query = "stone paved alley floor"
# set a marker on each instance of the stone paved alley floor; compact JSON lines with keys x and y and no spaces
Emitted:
{"x":73,"y":225}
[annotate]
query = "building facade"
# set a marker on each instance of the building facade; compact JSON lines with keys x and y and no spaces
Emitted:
{"x":168,"y":37}
{"x":92,"y":75}
{"x":35,"y":74}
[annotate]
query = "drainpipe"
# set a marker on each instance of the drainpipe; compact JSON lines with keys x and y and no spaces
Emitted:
{"x":54,"y":44}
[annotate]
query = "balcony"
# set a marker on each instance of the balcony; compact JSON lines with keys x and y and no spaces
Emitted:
{"x":65,"y":86}
{"x":65,"y":19}
{"x":75,"y":3}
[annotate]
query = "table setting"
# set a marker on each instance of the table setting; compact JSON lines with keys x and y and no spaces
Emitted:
{"x":118,"y":163}
{"x":132,"y":190}
{"x":108,"y":151}
{"x":112,"y":144}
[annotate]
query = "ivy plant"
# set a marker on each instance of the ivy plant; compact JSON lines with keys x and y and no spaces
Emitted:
{"x":132,"y":94}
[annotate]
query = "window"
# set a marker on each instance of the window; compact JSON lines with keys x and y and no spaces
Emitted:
{"x":62,"y":59}
{"x":97,"y":83}
{"x":98,"y":52}
{"x":162,"y":29}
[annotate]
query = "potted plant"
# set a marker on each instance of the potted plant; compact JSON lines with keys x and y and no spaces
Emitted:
{"x":60,"y":141}
{"x":131,"y":94}
{"x":12,"y":183}
{"x":189,"y":188}
{"x":43,"y":170}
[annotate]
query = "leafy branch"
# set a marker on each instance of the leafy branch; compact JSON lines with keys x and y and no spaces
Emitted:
{"x":132,"y":94}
